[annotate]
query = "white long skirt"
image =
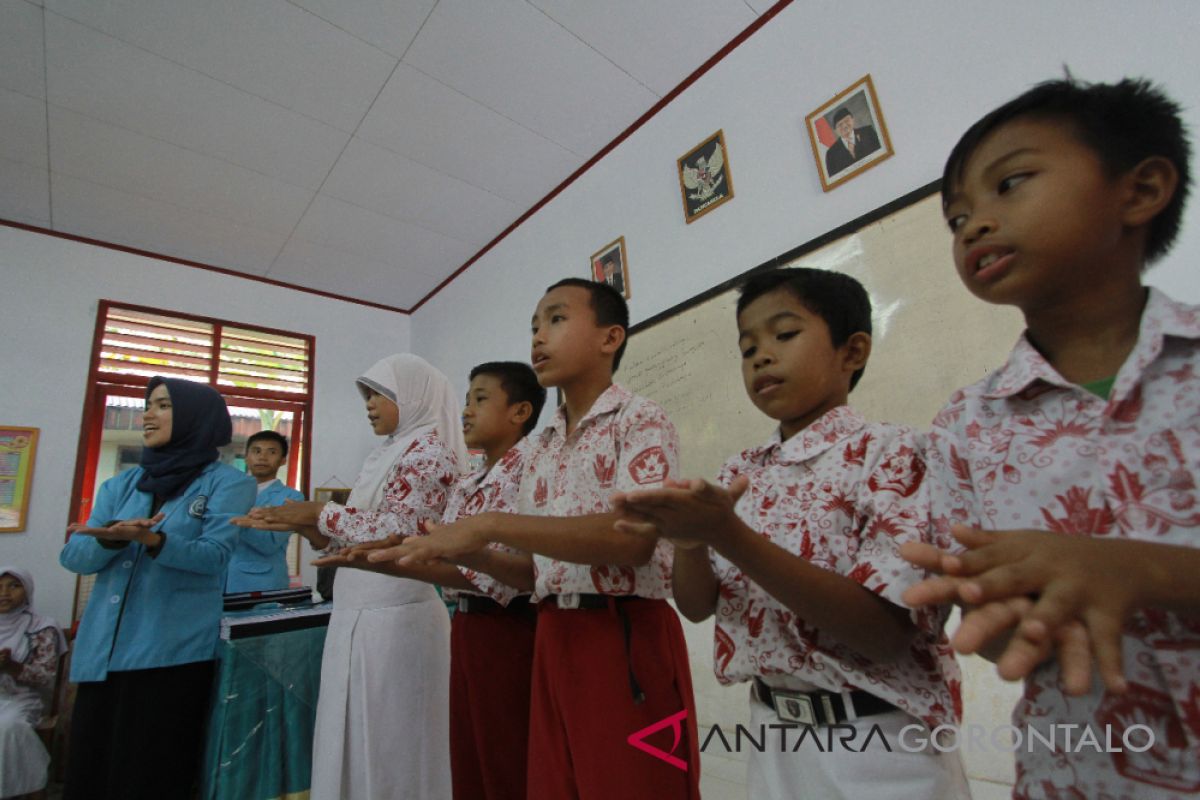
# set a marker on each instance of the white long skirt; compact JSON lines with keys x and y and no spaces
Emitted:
{"x":23,"y":757}
{"x":383,"y":714}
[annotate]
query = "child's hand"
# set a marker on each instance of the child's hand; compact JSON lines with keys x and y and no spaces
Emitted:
{"x":444,"y":543}
{"x":686,"y":512}
{"x":1074,"y":578}
{"x":356,"y":556}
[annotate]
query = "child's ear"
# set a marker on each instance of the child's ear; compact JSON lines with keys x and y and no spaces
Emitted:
{"x":1152,"y":184}
{"x":856,"y":351}
{"x":519,"y":413}
{"x":614,"y":337}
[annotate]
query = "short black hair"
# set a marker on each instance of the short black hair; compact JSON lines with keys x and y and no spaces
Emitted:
{"x":270,"y":436}
{"x":1123,"y":123}
{"x":520,"y":385}
{"x":841,"y":114}
{"x":607,"y":304}
{"x":835,"y":297}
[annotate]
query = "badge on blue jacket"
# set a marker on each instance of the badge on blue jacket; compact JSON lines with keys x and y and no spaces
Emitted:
{"x":198,"y":506}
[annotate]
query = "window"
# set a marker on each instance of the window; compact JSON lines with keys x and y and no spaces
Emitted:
{"x":264,"y":376}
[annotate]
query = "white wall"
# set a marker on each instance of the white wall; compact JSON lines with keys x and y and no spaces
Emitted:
{"x":49,"y":292}
{"x":937,"y":67}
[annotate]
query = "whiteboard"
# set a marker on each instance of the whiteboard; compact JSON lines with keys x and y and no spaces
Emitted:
{"x":930,"y":338}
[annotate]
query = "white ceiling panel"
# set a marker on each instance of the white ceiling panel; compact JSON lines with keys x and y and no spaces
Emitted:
{"x":110,"y":156}
{"x":341,"y":226}
{"x":387,"y":24}
{"x":514,"y":59}
{"x":251,"y":44}
{"x":659,"y":43}
{"x":379,"y":180}
{"x":22,"y":128}
{"x":26,"y":194}
{"x":340,"y":272}
{"x":281,"y":137}
{"x":88,"y":209}
{"x":106,"y":79}
{"x":441,"y":128}
{"x":21,"y":65}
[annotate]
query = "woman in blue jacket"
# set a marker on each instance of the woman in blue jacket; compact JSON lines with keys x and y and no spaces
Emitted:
{"x":158,"y":541}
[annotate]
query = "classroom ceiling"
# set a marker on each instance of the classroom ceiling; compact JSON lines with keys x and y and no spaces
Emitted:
{"x":367,"y":148}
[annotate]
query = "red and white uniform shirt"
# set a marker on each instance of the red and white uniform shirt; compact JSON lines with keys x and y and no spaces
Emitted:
{"x":494,"y":489}
{"x":1026,"y":449}
{"x":622,"y":444}
{"x":843,"y":494}
{"x":416,"y":491}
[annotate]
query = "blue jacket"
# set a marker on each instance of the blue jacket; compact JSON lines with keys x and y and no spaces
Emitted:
{"x":259,"y":561}
{"x":157,"y":612}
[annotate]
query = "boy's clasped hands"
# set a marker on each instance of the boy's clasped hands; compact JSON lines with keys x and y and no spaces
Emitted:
{"x":1027,"y":594}
{"x":1047,"y":591}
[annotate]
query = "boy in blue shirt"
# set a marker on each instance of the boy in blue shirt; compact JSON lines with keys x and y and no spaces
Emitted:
{"x":259,"y":562}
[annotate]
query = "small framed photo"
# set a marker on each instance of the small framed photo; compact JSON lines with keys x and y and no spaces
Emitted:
{"x":704,"y":177}
{"x":848,"y":134}
{"x":18,"y":449}
{"x":610,"y":265}
{"x":331,"y":494}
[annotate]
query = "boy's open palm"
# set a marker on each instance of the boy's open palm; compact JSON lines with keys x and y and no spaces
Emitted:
{"x":444,"y":543}
{"x":688,"y":512}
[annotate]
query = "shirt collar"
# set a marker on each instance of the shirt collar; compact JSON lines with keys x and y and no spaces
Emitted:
{"x":609,"y":401}
{"x":1161,"y":317}
{"x":830,"y":428}
{"x":262,"y":487}
{"x":504,"y":464}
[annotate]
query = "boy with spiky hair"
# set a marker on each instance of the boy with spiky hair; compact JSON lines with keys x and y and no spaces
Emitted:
{"x":610,"y":663}
{"x":1070,"y":473}
{"x":795,"y":551}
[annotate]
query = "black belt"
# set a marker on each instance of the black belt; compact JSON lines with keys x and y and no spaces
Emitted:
{"x":481,"y":604}
{"x":819,"y":707}
{"x":593,"y":602}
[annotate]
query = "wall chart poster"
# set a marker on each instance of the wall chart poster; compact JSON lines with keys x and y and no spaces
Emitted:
{"x":17,"y":449}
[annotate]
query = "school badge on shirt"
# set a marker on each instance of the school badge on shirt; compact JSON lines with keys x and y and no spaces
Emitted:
{"x":198,"y":507}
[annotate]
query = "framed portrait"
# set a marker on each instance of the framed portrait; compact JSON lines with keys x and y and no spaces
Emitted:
{"x":705,"y":179}
{"x":610,"y":265}
{"x":329,"y":494}
{"x":848,"y":134}
{"x":18,"y":447}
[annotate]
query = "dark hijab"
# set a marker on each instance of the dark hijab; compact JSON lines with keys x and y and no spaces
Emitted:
{"x":199,"y":425}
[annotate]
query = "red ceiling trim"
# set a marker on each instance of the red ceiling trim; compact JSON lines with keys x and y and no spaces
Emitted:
{"x":766,"y":17}
{"x":762,"y":20}
{"x":197,"y":264}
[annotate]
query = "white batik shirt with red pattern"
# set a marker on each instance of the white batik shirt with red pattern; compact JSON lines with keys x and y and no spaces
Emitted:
{"x":494,"y":489}
{"x":843,"y":494}
{"x":416,"y":491}
{"x":1026,"y":449}
{"x":623,"y":443}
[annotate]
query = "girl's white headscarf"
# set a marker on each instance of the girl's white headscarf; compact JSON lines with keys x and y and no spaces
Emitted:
{"x":18,"y":625}
{"x":426,"y":402}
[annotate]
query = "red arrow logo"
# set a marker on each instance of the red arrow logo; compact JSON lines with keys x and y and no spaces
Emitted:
{"x":675,"y":722}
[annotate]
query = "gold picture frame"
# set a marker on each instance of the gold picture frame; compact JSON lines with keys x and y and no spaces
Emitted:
{"x":610,"y":264}
{"x":705,"y":178}
{"x":862,"y":141}
{"x":18,"y":451}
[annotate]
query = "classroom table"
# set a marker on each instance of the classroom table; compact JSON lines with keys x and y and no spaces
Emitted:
{"x":259,"y":743}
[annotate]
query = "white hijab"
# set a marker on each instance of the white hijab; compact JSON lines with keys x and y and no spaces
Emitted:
{"x":18,"y":625}
{"x":426,"y":402}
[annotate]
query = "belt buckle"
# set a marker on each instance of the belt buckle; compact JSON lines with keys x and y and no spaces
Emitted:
{"x":794,"y":707}
{"x":464,"y":603}
{"x":567,"y":601}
